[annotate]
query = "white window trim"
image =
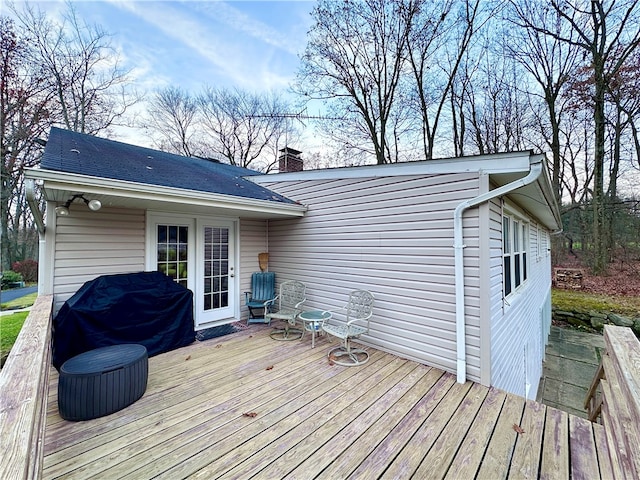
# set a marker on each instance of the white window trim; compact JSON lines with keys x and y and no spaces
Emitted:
{"x":525,"y":248}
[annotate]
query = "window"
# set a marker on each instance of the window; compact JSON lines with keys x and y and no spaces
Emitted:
{"x":515,"y":245}
{"x":506,"y":252}
{"x":172,"y":252}
{"x":525,"y":249}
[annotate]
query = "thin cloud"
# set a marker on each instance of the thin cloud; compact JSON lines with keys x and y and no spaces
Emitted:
{"x":183,"y":29}
{"x":236,"y":49}
{"x":241,"y":22}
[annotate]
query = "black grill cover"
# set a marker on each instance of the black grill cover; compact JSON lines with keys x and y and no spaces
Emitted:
{"x":147,"y":308}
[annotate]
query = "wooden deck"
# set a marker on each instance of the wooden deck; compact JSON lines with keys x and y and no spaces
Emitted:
{"x":245,"y":406}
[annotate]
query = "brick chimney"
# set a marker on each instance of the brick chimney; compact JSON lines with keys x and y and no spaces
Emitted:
{"x":290,"y":160}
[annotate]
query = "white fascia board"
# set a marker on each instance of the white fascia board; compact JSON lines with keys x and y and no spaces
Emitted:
{"x":552,"y":219}
{"x":546,"y":190}
{"x":131,"y":190}
{"x":494,"y":163}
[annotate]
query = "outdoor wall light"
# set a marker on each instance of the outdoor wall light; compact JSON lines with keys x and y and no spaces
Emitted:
{"x":63,"y":210}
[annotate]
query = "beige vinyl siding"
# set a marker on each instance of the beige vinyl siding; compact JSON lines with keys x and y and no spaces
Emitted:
{"x":89,"y":244}
{"x":394,"y":237}
{"x":253,"y":240}
{"x":495,"y":255}
{"x":486,"y":243}
{"x":518,"y":328}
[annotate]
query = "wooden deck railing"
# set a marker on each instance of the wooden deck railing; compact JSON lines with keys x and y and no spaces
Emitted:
{"x":614,"y":400}
{"x":24,"y":381}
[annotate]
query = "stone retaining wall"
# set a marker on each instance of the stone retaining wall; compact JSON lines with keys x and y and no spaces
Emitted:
{"x":591,"y":319}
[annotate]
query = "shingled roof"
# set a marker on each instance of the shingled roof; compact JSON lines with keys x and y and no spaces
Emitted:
{"x":82,"y":154}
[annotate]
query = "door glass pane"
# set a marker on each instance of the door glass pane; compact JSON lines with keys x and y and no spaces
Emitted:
{"x":173,"y":234}
{"x":183,"y":234}
{"x":172,"y":250}
{"x":162,"y":234}
{"x":216,"y":268}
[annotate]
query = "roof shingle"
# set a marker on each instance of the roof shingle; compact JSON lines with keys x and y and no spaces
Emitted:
{"x":82,"y":154}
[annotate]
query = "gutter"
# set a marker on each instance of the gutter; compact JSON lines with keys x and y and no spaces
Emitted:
{"x":30,"y":189}
{"x":535,"y":169}
{"x":130,"y":190}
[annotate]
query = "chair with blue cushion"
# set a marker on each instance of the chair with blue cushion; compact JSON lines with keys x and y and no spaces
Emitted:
{"x":353,"y":322}
{"x":263,"y":289}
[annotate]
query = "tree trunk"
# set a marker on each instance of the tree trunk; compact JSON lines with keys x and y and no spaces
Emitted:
{"x":600,"y":247}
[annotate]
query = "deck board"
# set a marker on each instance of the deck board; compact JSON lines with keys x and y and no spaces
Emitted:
{"x":409,"y":459}
{"x":386,"y":451}
{"x":390,"y":418}
{"x":292,"y":413}
{"x":472,"y":450}
{"x":497,"y":459}
{"x":526,"y":456}
{"x":555,"y":458}
{"x":602,"y":448}
{"x":584,"y":458}
{"x":438,"y":460}
{"x":346,"y":463}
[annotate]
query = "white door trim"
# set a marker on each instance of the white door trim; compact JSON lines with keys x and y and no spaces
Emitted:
{"x":206,"y":318}
{"x":195,"y":281}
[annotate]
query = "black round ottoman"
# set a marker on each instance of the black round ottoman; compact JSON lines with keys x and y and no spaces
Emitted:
{"x":102,"y":381}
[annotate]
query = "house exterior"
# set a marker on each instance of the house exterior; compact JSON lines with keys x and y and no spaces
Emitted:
{"x":455,"y":251}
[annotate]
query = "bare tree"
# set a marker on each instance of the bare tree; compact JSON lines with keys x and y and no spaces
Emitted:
{"x":354,"y":60}
{"x":244,"y":128}
{"x":82,"y":69}
{"x":172,"y":121}
{"x":441,"y":33}
{"x":25,"y":104}
{"x":549,"y":62}
{"x":624,"y":96}
{"x":52,"y":74}
{"x":608,"y":33}
{"x":499,"y":116}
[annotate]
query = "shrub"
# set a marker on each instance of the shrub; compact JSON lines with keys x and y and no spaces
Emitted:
{"x":10,"y":277}
{"x":28,"y":269}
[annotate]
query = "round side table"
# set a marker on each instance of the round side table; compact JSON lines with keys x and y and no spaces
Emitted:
{"x":312,"y":322}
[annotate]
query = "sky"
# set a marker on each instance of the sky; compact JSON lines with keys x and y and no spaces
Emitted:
{"x":254,"y":45}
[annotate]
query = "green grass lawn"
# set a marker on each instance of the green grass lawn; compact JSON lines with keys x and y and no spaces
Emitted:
{"x":572,"y":300}
{"x":21,"y":302}
{"x":10,"y":326}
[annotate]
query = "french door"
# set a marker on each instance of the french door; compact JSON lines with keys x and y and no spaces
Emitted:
{"x":215,"y":290}
{"x":198,"y":253}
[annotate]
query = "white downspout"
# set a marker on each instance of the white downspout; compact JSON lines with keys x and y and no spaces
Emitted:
{"x":535,"y":169}
{"x":30,"y":190}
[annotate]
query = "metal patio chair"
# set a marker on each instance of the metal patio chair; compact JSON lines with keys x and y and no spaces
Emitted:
{"x":286,"y":307}
{"x":263,"y":289}
{"x":356,"y":315}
